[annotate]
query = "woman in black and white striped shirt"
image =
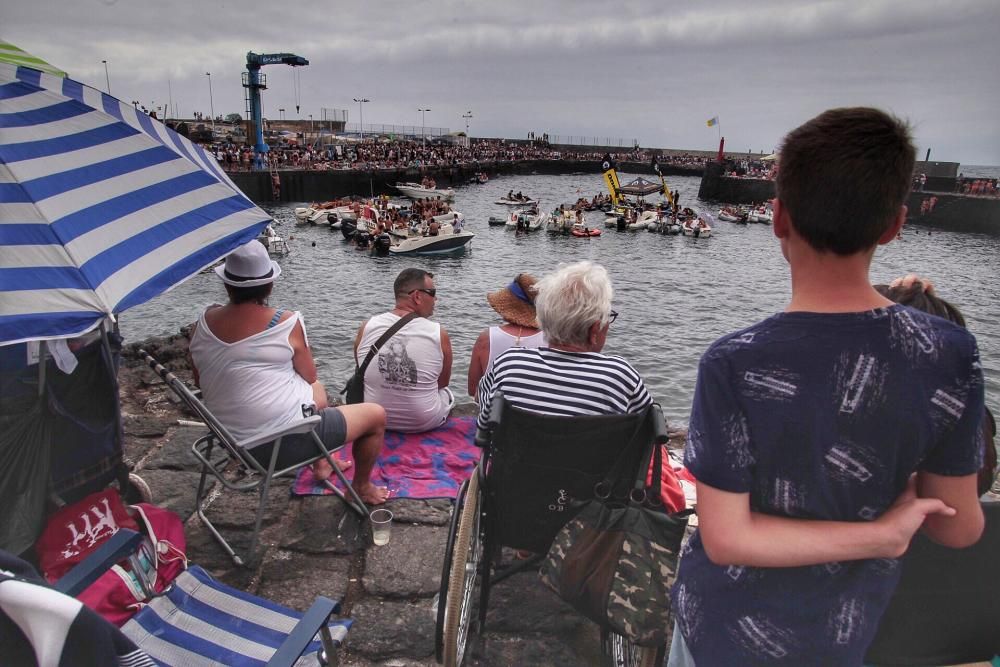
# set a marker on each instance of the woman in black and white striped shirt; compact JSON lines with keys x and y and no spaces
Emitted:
{"x":571,"y":376}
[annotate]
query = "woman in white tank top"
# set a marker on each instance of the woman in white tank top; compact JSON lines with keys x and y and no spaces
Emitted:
{"x":516,"y":305}
{"x":256,"y":372}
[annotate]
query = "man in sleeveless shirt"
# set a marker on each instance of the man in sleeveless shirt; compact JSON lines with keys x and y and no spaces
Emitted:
{"x":410,"y":374}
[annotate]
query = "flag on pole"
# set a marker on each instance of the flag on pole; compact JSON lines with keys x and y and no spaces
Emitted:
{"x":712,"y":121}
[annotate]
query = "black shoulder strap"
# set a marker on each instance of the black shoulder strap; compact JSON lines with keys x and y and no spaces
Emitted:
{"x":389,"y":333}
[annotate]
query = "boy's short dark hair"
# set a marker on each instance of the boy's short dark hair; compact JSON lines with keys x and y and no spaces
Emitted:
{"x":843,"y":176}
{"x":409,"y":280}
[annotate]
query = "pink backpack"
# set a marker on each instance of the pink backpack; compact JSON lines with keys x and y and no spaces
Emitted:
{"x":76,"y":530}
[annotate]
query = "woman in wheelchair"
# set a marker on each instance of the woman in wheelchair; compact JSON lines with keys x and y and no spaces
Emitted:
{"x":257,"y":373}
{"x":571,"y":376}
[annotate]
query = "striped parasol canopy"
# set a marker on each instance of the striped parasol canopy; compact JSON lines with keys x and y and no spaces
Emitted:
{"x":101,"y":207}
{"x":11,"y":54}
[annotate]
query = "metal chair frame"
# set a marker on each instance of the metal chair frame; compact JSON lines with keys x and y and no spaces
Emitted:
{"x":474,"y":542}
{"x":257,"y":477}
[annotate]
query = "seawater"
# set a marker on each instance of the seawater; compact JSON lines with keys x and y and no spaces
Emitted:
{"x":675,"y":295}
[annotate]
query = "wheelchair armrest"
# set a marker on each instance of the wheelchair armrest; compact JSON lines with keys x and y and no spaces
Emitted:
{"x":496,"y":410}
{"x":305,"y":630}
{"x":120,"y":546}
{"x":305,"y":425}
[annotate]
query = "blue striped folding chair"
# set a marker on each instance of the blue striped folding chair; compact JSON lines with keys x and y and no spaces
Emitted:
{"x":200,"y":621}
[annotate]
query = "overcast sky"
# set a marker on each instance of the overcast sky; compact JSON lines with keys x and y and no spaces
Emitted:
{"x":652,"y":70}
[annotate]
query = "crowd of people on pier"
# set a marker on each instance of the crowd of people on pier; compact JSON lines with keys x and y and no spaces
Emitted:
{"x":374,"y":153}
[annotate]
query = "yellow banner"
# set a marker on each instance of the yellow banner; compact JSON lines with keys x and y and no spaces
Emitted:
{"x":611,"y":180}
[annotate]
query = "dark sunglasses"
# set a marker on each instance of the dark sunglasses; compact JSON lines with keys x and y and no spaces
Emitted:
{"x":612,"y":316}
{"x":430,"y":292}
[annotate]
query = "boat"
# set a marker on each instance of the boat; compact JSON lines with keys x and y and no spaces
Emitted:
{"x":762,"y":214}
{"x":317,"y":213}
{"x":276,"y":245}
{"x":497,"y":221}
{"x":698,"y":227}
{"x":515,"y":202}
{"x":479,"y":178}
{"x":413,"y":242}
{"x":418,"y":191}
{"x":646,"y":220}
{"x":581,"y":230}
{"x":525,"y":221}
{"x":561,"y":222}
{"x":732,"y":214}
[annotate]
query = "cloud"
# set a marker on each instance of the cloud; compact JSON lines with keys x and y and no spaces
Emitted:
{"x":653,"y":70}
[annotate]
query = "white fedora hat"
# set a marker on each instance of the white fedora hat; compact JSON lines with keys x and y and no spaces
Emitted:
{"x":249,"y":266}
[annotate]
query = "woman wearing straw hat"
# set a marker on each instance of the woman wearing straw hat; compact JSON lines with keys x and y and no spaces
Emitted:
{"x":255,"y":368}
{"x":516,"y":305}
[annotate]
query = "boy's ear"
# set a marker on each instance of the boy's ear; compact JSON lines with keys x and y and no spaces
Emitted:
{"x":897,"y":225}
{"x":780,"y":223}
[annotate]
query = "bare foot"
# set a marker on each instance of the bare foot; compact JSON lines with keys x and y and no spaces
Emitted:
{"x":322,"y":470}
{"x":371,"y":494}
{"x":343,"y":464}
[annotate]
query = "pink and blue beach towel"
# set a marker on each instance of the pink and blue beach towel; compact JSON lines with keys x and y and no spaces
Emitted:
{"x":415,"y":465}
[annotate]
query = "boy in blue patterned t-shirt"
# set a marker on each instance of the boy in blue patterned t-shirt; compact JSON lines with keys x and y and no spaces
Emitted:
{"x":806,"y":428}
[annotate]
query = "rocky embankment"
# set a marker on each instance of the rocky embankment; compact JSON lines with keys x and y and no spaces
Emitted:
{"x":315,"y":546}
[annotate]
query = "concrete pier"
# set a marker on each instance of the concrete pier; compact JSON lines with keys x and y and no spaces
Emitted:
{"x":315,"y":546}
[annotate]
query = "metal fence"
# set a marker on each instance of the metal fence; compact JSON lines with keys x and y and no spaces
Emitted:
{"x":397,"y":130}
{"x":592,"y":141}
{"x":334,"y":115}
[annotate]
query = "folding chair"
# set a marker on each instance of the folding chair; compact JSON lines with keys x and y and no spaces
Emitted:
{"x":946,"y":609}
{"x":199,"y":621}
{"x":254,"y":475}
{"x":532,"y":468}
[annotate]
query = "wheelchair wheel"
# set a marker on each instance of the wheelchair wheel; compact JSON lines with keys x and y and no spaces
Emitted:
{"x":617,"y":651}
{"x":465,"y":557}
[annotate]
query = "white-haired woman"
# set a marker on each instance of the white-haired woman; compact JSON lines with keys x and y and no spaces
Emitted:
{"x":571,"y":376}
{"x":573,"y":306}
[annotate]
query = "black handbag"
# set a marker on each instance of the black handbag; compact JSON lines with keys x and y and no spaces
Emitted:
{"x":354,"y":390}
{"x":616,"y":560}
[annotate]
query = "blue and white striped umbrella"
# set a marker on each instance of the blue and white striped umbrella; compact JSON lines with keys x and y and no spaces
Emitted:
{"x":101,"y":207}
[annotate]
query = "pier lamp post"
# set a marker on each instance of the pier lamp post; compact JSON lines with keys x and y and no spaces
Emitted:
{"x":211,"y":103}
{"x":467,"y":116}
{"x":282,"y":112}
{"x":107,"y":79}
{"x":423,"y":126}
{"x":361,"y":114}
{"x":312,"y":134}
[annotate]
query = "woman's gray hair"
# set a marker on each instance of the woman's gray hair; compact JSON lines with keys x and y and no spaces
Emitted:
{"x":571,"y":299}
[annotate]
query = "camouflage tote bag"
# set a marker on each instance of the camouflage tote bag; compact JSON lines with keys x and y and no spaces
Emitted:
{"x":616,"y":560}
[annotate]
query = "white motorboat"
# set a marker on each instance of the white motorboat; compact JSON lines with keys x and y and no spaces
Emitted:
{"x":762,"y":214}
{"x":276,"y":245}
{"x":527,"y":221}
{"x":561,"y":222}
{"x":515,"y":202}
{"x":418,"y":191}
{"x":698,"y":226}
{"x":413,"y":242}
{"x":646,"y":220}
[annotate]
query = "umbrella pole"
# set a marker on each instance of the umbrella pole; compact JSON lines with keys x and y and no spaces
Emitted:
{"x":41,"y":367}
{"x":123,"y":471}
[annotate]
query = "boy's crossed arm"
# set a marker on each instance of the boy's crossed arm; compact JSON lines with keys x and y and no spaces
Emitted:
{"x":734,"y":535}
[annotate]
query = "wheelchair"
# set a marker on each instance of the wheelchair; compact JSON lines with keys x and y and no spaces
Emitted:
{"x":519,"y":496}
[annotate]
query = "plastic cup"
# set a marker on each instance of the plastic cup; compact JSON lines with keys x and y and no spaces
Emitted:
{"x":381,"y":526}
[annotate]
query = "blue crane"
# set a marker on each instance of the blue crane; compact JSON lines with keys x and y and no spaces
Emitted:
{"x":254,"y":82}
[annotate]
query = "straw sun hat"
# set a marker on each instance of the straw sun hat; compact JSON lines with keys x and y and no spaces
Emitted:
{"x":249,"y":266}
{"x":516,"y":302}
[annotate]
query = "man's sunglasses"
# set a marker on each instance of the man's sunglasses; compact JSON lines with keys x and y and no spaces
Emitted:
{"x":430,"y":292}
